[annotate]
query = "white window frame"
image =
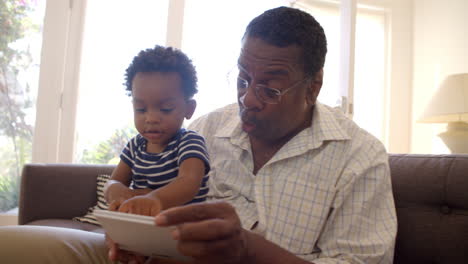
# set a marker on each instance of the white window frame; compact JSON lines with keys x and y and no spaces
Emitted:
{"x":399,"y":68}
{"x":57,"y":97}
{"x":398,"y":76}
{"x":58,"y":86}
{"x":56,"y":107}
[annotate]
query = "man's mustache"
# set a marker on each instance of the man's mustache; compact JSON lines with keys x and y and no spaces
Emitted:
{"x":247,"y":116}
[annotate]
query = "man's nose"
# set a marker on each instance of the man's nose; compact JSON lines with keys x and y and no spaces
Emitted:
{"x":250,"y":99}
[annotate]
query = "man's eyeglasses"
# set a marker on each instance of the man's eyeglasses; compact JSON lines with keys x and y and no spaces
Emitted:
{"x":264,"y":93}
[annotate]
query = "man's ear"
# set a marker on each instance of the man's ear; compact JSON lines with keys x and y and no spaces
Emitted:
{"x":191,"y":104}
{"x":315,"y":86}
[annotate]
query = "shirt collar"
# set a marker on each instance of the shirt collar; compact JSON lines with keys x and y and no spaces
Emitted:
{"x":327,"y":125}
{"x":232,"y":128}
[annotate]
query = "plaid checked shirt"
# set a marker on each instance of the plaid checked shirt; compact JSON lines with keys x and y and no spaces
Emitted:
{"x":325,"y":195}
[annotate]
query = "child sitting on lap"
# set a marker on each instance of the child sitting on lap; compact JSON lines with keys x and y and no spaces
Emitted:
{"x":164,"y":165}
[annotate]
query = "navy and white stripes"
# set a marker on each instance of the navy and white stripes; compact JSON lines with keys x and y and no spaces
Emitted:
{"x":154,"y":170}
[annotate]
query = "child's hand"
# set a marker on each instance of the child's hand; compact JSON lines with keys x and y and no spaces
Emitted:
{"x":115,"y":205}
{"x":142,"y":205}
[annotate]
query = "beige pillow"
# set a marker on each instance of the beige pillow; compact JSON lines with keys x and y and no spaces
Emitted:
{"x":101,"y":202}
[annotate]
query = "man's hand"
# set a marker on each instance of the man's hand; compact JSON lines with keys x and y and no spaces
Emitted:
{"x":122,"y":256}
{"x":211,"y":233}
{"x":142,"y":205}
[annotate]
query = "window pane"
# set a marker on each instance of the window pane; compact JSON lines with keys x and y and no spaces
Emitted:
{"x":20,"y":49}
{"x":328,"y":15}
{"x":112,"y":37}
{"x":369,"y":81}
{"x":212,"y":40}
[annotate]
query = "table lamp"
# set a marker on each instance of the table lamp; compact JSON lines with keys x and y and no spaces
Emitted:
{"x":450,"y":105}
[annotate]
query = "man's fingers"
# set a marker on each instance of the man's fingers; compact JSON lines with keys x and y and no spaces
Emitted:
{"x":209,"y":232}
{"x":199,"y":249}
{"x":113,"y":253}
{"x":194,"y":212}
{"x":212,"y":229}
{"x":123,"y":256}
{"x":113,"y":249}
{"x":109,"y":241}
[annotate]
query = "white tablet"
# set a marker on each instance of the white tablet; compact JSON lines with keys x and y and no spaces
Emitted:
{"x":138,"y":233}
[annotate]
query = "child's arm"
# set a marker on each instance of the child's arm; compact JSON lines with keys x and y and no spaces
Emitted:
{"x":184,"y":187}
{"x":180,"y":191}
{"x":116,"y":189}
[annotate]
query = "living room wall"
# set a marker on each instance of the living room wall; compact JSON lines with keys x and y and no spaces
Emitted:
{"x":439,"y":49}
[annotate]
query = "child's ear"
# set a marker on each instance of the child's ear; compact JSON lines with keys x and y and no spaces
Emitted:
{"x":191,"y":104}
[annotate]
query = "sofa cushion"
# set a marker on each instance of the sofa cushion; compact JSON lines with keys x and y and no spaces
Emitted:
{"x":432,"y":208}
{"x":101,"y":202}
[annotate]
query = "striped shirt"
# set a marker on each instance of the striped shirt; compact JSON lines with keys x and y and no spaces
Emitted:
{"x":325,"y":196}
{"x":154,"y":170}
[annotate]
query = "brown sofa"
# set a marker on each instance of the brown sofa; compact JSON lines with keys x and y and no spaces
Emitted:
{"x":431,"y":197}
{"x":52,"y":194}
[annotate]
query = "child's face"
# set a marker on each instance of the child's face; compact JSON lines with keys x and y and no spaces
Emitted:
{"x":159,"y":107}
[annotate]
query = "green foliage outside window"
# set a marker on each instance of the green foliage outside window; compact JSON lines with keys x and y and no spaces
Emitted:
{"x":108,"y":151}
{"x":17,"y":102}
{"x":9,"y":192}
{"x":16,"y":97}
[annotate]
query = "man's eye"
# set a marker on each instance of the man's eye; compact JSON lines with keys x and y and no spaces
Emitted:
{"x":269,"y":92}
{"x":241,"y":83}
{"x":140,"y":110}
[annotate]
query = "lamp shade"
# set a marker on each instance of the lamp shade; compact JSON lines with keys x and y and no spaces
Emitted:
{"x":450,"y":102}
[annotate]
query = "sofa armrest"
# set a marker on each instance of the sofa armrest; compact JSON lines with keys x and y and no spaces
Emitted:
{"x":58,"y":190}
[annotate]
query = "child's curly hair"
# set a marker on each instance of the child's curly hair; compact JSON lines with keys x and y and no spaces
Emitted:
{"x":163,"y":59}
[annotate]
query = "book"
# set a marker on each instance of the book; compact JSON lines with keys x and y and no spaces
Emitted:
{"x":139,"y":234}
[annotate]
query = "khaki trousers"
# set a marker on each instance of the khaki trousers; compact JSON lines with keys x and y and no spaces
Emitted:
{"x":40,"y":244}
